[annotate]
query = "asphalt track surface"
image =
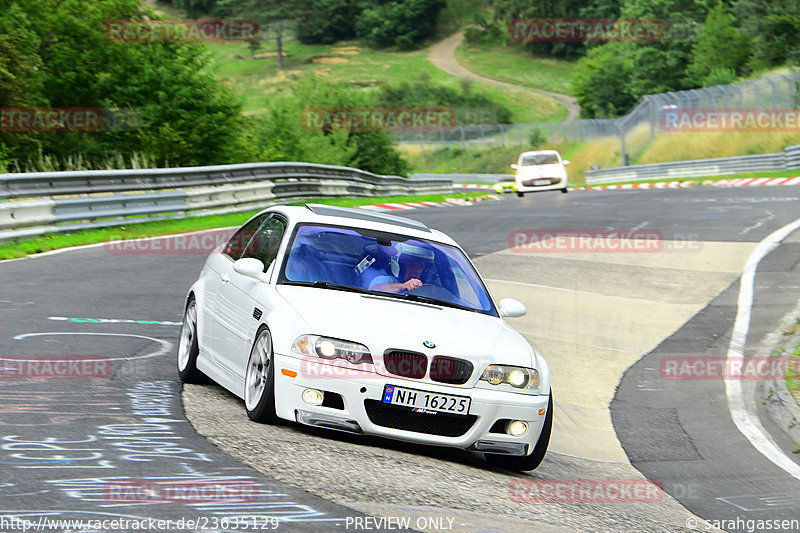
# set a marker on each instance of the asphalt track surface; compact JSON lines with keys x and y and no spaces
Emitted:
{"x":67,"y":444}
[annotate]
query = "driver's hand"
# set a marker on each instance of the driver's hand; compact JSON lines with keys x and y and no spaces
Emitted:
{"x":412,"y":284}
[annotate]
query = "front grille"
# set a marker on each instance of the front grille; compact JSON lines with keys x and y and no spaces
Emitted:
{"x":529,"y":183}
{"x":441,"y":424}
{"x":405,"y":364}
{"x":450,"y":370}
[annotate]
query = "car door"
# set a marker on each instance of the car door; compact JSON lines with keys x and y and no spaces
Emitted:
{"x":238,"y":295}
{"x":213,"y":338}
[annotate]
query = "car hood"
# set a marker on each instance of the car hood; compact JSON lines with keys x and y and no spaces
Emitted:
{"x":382,"y":323}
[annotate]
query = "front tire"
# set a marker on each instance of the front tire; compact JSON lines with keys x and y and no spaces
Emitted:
{"x":520,"y":194}
{"x":188,"y":346}
{"x":259,"y":382}
{"x":528,"y":462}
{"x":564,"y":190}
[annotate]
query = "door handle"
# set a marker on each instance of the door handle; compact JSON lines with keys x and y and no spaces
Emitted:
{"x":225,"y":278}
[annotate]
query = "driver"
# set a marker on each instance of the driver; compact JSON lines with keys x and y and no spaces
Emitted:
{"x":411,"y":267}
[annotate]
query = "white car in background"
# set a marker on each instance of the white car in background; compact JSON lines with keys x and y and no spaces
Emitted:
{"x":540,"y":170}
{"x":303,"y":316}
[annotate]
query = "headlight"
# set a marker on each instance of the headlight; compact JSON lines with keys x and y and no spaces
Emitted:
{"x":516,"y":376}
{"x":328,"y":348}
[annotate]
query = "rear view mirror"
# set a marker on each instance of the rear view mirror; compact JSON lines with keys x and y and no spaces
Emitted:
{"x":250,"y":267}
{"x":566,"y":162}
{"x":514,"y":166}
{"x":511,"y":308}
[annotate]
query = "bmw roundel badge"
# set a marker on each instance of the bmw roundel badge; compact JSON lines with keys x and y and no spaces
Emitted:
{"x":429,"y":344}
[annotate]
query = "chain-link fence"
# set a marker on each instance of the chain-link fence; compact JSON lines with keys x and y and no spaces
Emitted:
{"x":774,"y":92}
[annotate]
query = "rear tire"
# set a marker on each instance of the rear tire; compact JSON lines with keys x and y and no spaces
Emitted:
{"x":520,"y":194}
{"x":564,"y":190}
{"x":528,"y":462}
{"x":259,"y":381}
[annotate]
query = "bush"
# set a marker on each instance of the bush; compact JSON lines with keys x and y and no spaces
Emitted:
{"x":536,"y":138}
{"x":282,"y":134}
{"x":470,"y":107}
{"x":719,"y":76}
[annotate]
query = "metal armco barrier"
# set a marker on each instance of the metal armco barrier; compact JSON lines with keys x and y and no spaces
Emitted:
{"x":46,"y":202}
{"x":789,"y":159}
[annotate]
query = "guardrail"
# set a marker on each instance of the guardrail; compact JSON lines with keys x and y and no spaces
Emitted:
{"x":789,"y":159}
{"x":47,"y":202}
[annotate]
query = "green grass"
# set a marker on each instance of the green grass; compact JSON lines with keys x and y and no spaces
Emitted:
{"x":793,"y":373}
{"x":255,"y":78}
{"x":45,"y":243}
{"x":451,"y":160}
{"x":512,"y":65}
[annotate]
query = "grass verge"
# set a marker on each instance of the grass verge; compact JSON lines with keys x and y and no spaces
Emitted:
{"x":45,"y":243}
{"x":518,"y":67}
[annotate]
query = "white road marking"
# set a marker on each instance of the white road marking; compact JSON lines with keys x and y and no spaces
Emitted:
{"x":743,"y":415}
{"x":166,"y":346}
{"x":760,"y":222}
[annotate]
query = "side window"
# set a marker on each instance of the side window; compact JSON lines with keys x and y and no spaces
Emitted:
{"x":239,"y":241}
{"x":265,"y":243}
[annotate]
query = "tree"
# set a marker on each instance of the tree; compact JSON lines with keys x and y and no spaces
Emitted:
{"x":774,"y":30}
{"x":721,"y":47}
{"x":602,"y":81}
{"x":59,"y":57}
{"x":403,"y":24}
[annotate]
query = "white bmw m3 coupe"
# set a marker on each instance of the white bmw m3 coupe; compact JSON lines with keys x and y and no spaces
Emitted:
{"x":368,"y":323}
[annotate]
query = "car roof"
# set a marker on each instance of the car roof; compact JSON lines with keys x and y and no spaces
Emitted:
{"x":534,"y":152}
{"x":360,"y":218}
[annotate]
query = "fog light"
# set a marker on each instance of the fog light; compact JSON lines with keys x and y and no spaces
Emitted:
{"x":516,"y":428}
{"x":312,"y":397}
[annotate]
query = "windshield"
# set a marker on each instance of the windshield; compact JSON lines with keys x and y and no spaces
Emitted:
{"x":386,"y":264}
{"x":539,"y":159}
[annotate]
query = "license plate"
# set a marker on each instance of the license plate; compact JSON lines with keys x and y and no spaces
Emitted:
{"x":541,"y":182}
{"x":423,"y":401}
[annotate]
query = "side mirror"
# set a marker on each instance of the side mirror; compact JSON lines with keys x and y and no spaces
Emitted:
{"x":250,"y":267}
{"x":566,"y":162}
{"x":514,"y":166}
{"x":511,"y":308}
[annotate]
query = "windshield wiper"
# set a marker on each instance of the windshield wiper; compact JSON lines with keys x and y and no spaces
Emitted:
{"x":328,"y":285}
{"x":417,"y":298}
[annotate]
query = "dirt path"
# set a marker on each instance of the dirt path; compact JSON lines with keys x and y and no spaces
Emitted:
{"x":443,"y":55}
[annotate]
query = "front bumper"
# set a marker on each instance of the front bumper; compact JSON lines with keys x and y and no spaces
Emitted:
{"x":361,"y":410}
{"x":526,"y":184}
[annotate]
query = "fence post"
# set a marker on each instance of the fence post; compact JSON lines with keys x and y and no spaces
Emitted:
{"x":755,"y":89}
{"x":774,"y":93}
